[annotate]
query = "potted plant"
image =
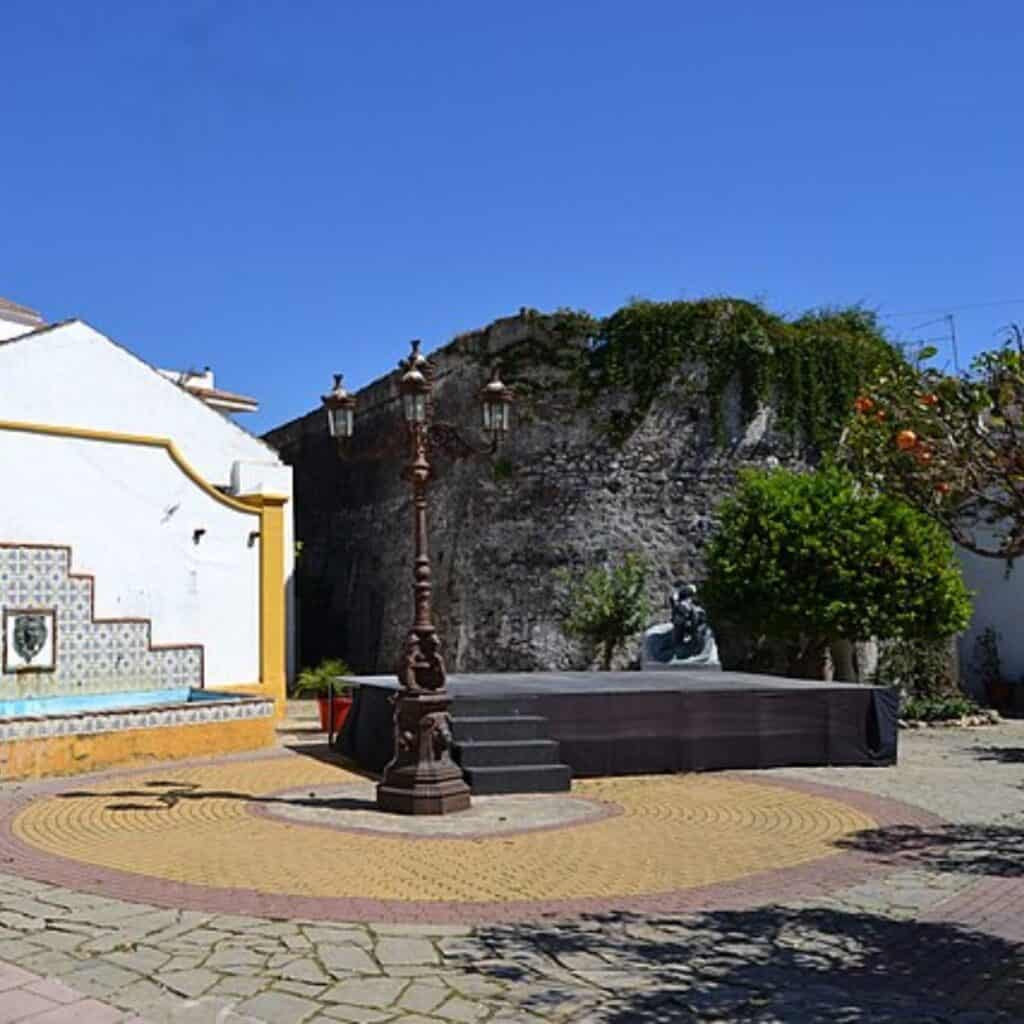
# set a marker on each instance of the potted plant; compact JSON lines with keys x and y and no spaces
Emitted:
{"x":316,"y":682}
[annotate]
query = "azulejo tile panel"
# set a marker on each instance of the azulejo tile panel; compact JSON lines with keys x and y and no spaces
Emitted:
{"x":90,"y":656}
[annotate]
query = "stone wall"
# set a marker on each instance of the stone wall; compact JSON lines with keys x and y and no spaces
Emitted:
{"x":558,"y":496}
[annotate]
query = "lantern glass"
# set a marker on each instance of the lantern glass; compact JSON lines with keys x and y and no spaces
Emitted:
{"x":415,"y":403}
{"x":346,"y":422}
{"x":341,"y":421}
{"x":496,"y":415}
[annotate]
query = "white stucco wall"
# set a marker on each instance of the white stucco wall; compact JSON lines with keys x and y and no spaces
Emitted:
{"x":72,"y":375}
{"x":999,"y":603}
{"x":128,"y":513}
{"x":12,"y":328}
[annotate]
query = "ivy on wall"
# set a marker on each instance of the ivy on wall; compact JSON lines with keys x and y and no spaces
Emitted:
{"x":810,"y":368}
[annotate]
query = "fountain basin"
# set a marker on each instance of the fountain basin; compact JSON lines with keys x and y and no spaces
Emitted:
{"x":44,"y":736}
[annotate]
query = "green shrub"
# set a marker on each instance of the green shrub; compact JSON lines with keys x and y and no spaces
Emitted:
{"x":919,"y":668}
{"x":937,"y":708}
{"x":807,"y":559}
{"x":607,"y":606}
{"x":313,"y":682}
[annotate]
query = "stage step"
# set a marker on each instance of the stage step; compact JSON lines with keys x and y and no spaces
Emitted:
{"x":492,"y":753}
{"x":499,"y":727}
{"x":547,"y":778}
{"x":507,"y":753}
{"x":472,"y":707}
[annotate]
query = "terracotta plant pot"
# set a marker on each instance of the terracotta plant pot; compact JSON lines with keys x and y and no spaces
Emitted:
{"x":341,"y":707}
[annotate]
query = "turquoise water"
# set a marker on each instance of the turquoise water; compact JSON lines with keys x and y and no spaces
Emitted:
{"x":41,"y":706}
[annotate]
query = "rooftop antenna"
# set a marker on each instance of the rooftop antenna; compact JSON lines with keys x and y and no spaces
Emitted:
{"x":951,"y":318}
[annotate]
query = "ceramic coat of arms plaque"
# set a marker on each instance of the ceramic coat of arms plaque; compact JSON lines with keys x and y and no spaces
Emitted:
{"x":29,"y":641}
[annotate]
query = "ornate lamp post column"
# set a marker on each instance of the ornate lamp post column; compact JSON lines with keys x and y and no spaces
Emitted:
{"x":421,"y":777}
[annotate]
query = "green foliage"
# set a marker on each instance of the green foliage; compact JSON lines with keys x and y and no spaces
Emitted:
{"x":813,"y":555}
{"x":919,"y":668}
{"x":811,"y":367}
{"x":952,"y":447}
{"x":502,"y":468}
{"x":937,"y":707}
{"x":607,"y":606}
{"x":313,"y":682}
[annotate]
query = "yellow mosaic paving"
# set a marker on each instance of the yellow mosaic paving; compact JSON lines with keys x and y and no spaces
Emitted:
{"x":674,"y":832}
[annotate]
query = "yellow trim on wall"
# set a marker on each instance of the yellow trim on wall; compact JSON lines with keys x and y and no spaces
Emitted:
{"x":273,"y":677}
{"x":85,"y":434}
{"x":270,"y":509}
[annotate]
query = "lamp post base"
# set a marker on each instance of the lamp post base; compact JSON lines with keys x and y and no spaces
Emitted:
{"x":422,"y":778}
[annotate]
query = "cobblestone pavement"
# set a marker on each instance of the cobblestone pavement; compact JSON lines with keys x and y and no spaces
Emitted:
{"x":924,"y":923}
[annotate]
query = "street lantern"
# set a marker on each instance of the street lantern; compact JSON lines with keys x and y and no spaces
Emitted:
{"x":341,"y":411}
{"x":415,"y":386}
{"x":496,"y":404}
{"x":422,"y":777}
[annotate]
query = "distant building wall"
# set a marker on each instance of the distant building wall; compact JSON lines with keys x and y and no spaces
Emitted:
{"x":999,"y":605}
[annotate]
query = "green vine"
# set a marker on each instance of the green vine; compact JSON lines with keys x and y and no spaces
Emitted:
{"x":811,"y":368}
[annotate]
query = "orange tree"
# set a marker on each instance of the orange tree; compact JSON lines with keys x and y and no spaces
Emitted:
{"x":951,"y":446}
{"x":804,"y":560}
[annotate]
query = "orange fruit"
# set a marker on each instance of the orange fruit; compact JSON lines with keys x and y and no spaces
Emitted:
{"x":906,"y":440}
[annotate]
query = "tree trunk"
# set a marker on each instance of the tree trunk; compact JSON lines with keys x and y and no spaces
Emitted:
{"x":810,"y":659}
{"x":607,"y":652}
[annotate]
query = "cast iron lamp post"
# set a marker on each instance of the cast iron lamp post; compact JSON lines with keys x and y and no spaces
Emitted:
{"x":421,"y":777}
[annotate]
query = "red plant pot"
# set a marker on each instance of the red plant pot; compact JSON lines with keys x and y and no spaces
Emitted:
{"x":341,"y":706}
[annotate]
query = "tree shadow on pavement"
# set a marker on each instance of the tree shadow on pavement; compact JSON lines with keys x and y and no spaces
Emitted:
{"x":964,"y":849}
{"x":763,"y":965}
{"x":1003,"y":755}
{"x":165,"y":795}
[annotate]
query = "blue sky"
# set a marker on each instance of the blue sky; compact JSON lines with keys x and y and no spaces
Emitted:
{"x":282,"y":189}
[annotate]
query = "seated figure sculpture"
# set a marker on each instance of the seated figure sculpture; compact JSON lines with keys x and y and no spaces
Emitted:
{"x":686,"y":641}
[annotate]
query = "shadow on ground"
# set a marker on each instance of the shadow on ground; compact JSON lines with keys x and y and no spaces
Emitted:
{"x":764,"y":965}
{"x":162,"y":796}
{"x":965,"y":849}
{"x":1002,"y":755}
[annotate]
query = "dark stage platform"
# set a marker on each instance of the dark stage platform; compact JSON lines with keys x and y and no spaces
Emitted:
{"x":621,"y":723}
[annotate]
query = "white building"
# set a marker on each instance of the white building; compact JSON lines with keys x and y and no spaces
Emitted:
{"x":133,"y":477}
{"x":998,"y":590}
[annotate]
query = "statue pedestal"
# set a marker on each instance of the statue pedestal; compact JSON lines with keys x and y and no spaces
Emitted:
{"x":659,"y":651}
{"x":422,"y":778}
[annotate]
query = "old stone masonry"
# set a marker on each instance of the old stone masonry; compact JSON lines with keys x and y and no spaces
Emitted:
{"x":560,"y":497}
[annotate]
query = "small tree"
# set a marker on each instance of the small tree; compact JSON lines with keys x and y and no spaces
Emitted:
{"x":809,"y":559}
{"x":951,"y":446}
{"x":607,"y":606}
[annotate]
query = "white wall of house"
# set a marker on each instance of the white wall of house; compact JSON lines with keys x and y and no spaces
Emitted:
{"x":999,"y":604}
{"x":72,"y":375}
{"x":129,"y":514}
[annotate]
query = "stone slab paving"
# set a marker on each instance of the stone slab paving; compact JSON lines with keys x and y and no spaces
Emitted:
{"x":934,"y":933}
{"x":28,"y":997}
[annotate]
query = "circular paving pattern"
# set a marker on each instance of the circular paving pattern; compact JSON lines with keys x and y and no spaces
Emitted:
{"x":294,"y":836}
